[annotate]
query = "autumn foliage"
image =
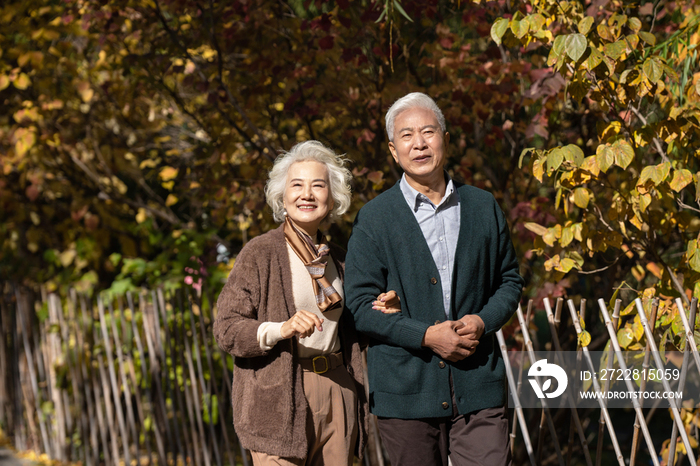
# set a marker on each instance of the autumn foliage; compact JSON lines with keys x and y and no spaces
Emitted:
{"x":135,"y":137}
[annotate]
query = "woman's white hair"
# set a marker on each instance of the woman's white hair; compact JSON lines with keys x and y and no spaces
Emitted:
{"x":338,"y":175}
{"x":412,"y":100}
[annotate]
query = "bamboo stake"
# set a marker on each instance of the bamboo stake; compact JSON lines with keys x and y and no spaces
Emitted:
{"x":179,"y":403}
{"x":114,"y":441}
{"x":643,"y":385}
{"x":159,"y":412}
{"x":196,"y":396}
{"x":74,"y":363}
{"x":545,"y":408}
{"x":206,"y":388}
{"x":689,"y":334}
{"x":87,"y":382}
{"x":611,"y":356}
{"x":96,"y":381}
{"x":113,"y":378}
{"x":582,"y":313}
{"x":657,"y":358}
{"x":125,"y":390}
{"x":603,"y":408}
{"x":54,"y":344}
{"x":65,"y":356}
{"x":520,"y":377}
{"x":208,"y":340}
{"x":25,"y":327}
{"x":132,"y":374}
{"x":628,"y":383}
{"x":516,"y":398}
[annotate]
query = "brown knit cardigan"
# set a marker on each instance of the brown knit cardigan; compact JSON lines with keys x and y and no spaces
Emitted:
{"x":269,"y":406}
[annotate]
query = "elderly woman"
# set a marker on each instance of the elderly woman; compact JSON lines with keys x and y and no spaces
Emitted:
{"x":298,"y":396}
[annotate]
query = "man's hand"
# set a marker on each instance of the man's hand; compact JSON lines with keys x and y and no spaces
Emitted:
{"x":447,"y":343}
{"x":302,"y":324}
{"x":473,"y":327}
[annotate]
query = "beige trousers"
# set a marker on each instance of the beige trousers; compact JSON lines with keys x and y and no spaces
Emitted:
{"x":331,"y":422}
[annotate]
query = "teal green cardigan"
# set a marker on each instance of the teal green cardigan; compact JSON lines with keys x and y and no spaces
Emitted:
{"x":387,"y":251}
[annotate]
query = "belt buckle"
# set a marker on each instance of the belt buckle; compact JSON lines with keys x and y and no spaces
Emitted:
{"x":325,"y":360}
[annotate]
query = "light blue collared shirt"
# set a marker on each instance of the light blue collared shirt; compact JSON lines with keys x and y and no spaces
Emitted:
{"x":440,"y":227}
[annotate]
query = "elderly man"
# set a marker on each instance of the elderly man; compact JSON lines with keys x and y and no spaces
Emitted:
{"x":436,"y":377}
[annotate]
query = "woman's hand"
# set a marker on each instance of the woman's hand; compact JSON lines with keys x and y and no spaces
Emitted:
{"x":302,"y":324}
{"x":388,"y":303}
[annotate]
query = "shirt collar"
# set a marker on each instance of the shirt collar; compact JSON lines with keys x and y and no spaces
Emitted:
{"x":415,"y":198}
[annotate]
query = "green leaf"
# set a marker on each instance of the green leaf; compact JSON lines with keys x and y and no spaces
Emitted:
{"x":594,"y":58}
{"x":498,"y":29}
{"x":398,"y":6}
{"x":585,"y":25}
{"x":519,"y":28}
{"x":581,"y":197}
{"x":681,"y":179}
{"x":623,"y":153}
{"x":573,"y":154}
{"x":647,"y":37}
{"x":567,"y":236}
{"x":615,"y":50}
{"x":554,"y":159}
{"x":625,"y":337}
{"x":536,"y":22}
{"x":575,"y":46}
{"x":693,"y":255}
{"x":523,"y":154}
{"x":652,"y":69}
{"x":605,"y":157}
{"x":558,"y":50}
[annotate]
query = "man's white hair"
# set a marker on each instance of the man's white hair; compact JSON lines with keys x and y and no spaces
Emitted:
{"x":412,"y":100}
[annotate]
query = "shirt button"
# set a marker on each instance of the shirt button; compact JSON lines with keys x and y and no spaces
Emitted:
{"x":440,"y":238}
{"x":447,"y":295}
{"x":445,"y":405}
{"x":441,"y":364}
{"x":433,"y":281}
{"x":444,"y":267}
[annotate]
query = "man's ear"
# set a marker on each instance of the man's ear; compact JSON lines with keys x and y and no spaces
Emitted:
{"x":447,"y":139}
{"x":394,"y":154}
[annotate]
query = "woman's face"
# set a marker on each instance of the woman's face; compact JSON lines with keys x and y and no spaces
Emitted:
{"x":307,"y":195}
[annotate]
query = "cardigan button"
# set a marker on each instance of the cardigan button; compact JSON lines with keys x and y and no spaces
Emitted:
{"x":445,"y":405}
{"x":441,"y":364}
{"x":433,"y":281}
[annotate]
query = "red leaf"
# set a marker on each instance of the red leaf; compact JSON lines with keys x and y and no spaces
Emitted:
{"x":326,"y":43}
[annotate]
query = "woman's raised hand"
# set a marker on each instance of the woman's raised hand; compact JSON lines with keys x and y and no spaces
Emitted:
{"x":302,"y":324}
{"x":388,"y":303}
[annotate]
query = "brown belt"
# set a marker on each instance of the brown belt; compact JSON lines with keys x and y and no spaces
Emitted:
{"x":322,"y":364}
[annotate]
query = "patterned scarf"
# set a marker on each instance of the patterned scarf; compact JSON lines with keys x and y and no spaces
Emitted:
{"x":315,"y":258}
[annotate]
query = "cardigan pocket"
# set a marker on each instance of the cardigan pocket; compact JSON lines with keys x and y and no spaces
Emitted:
{"x":391,"y":367}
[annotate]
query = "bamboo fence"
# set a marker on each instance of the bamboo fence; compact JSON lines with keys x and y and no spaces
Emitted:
{"x":139,"y":379}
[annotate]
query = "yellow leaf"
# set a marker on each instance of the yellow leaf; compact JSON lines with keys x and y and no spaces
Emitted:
{"x":581,"y":197}
{"x":538,"y":169}
{"x":681,"y":179}
{"x":536,"y":228}
{"x":168,"y":173}
{"x":172,"y":199}
{"x":24,"y":140}
{"x":584,"y":338}
{"x":22,"y":81}
{"x":66,"y":257}
{"x":552,"y":263}
{"x":4,"y":82}
{"x":194,"y":185}
{"x":149,"y":163}
{"x":168,"y":185}
{"x":590,"y":164}
{"x":552,"y":235}
{"x":141,"y":215}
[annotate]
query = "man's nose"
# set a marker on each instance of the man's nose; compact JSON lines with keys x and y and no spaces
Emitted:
{"x":419,"y":142}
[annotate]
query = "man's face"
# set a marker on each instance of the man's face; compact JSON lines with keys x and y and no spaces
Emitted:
{"x":419,"y":144}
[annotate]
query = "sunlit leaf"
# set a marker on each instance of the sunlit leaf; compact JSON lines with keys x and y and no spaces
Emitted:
{"x":584,"y":338}
{"x":681,"y":179}
{"x":625,"y":337}
{"x":647,"y":37}
{"x":594,"y":58}
{"x":615,"y":50}
{"x":623,"y":153}
{"x":575,"y":46}
{"x":635,"y":24}
{"x":519,"y":28}
{"x":536,"y":228}
{"x":585,"y":25}
{"x":554,"y":159}
{"x":498,"y":29}
{"x":581,"y":197}
{"x":605,"y":157}
{"x":652,"y":69}
{"x":168,"y":173}
{"x":604,"y":32}
{"x":536,"y":22}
